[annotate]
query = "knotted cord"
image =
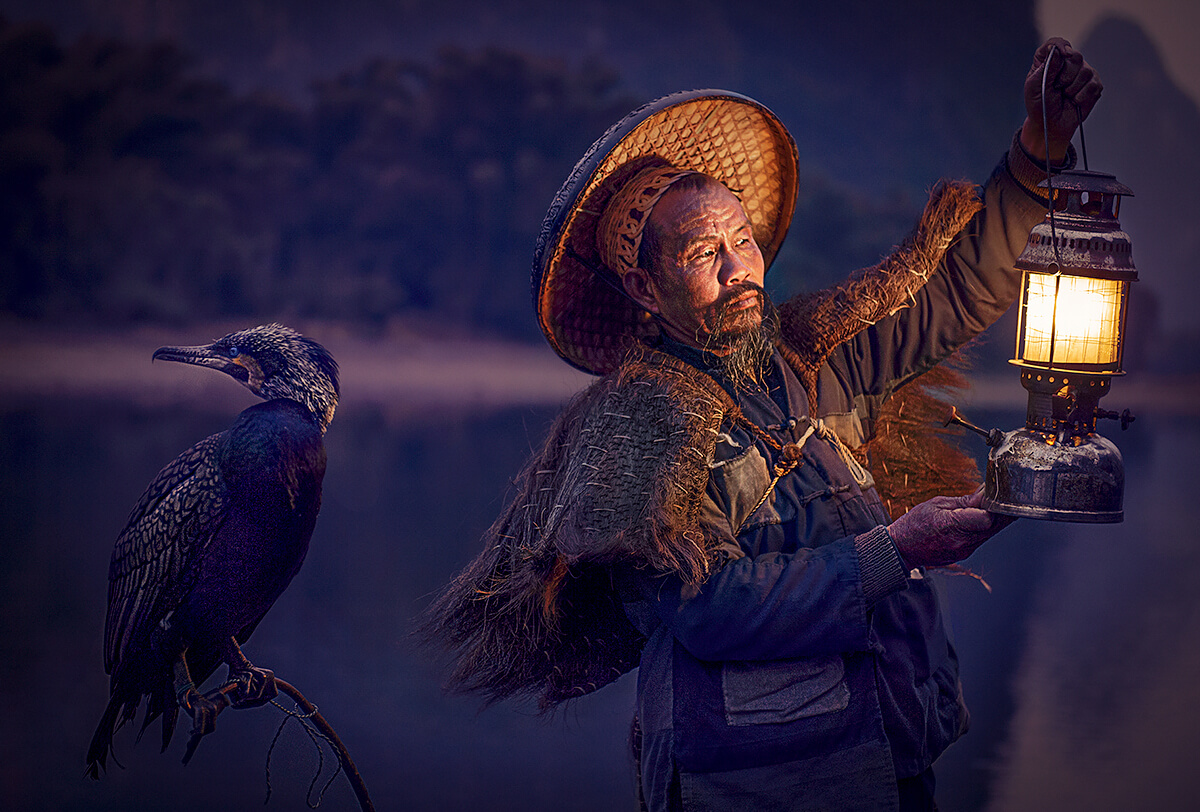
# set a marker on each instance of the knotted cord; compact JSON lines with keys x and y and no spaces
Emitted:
{"x":790,"y":455}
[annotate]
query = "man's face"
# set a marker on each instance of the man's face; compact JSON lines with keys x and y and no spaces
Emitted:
{"x":706,"y":253}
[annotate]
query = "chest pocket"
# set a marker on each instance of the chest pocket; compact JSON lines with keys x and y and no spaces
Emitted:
{"x":740,"y":483}
{"x":779,"y":691}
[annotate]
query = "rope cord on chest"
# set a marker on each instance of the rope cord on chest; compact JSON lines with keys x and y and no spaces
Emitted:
{"x":790,"y":455}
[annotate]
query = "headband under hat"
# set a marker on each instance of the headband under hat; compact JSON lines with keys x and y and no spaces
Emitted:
{"x":619,"y":231}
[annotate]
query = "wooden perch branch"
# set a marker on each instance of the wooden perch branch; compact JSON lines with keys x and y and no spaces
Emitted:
{"x":356,"y":782}
{"x":222,"y":699}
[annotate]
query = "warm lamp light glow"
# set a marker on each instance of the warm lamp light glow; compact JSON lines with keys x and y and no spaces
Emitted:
{"x":1077,"y":266}
{"x":1070,"y":320}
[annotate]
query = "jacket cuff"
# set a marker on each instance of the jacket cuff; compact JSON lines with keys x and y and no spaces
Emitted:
{"x":1028,"y":171}
{"x":879,"y":565}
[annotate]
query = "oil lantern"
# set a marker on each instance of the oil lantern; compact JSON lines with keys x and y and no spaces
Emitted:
{"x":1077,"y":266}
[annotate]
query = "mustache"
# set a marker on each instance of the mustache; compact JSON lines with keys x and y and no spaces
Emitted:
{"x":736,"y":293}
{"x":747,"y":343}
{"x":730,"y":318}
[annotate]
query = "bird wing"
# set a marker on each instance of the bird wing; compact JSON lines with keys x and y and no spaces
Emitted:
{"x":179,"y":513}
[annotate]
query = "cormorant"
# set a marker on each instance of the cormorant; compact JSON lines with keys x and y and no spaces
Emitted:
{"x":216,"y":538}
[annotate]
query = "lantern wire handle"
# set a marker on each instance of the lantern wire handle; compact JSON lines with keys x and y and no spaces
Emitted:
{"x":1050,"y":205}
{"x":1046,"y":139}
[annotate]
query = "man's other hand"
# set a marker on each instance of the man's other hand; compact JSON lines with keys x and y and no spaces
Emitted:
{"x":945,"y":530}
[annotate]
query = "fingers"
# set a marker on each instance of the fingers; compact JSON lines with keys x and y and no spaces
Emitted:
{"x":951,"y":502}
{"x":1068,"y":70}
{"x":1071,"y":75}
{"x":1087,"y":97}
{"x":973,"y":500}
{"x":972,"y":515}
{"x":1057,"y":43}
{"x":972,"y":520}
{"x":966,"y":514}
{"x":1066,"y":65}
{"x":1053,"y":49}
{"x":1073,"y":79}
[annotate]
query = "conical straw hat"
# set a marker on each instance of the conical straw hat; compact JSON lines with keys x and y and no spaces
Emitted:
{"x":579,"y":303}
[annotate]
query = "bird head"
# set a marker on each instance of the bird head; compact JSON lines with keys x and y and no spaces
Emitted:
{"x":272,"y":361}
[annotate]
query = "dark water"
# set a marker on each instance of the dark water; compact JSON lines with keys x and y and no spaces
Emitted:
{"x":1081,"y":667}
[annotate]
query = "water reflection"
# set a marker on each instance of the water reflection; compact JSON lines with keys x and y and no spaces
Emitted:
{"x":1107,"y":712}
{"x":1096,"y":626}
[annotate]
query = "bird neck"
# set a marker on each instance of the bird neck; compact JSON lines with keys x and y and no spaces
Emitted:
{"x":321,"y":405}
{"x":320,"y":411}
{"x":318,"y":396}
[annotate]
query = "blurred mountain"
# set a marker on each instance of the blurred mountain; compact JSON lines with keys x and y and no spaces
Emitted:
{"x":181,"y":160}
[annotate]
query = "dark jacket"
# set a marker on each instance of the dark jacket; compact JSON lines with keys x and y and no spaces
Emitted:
{"x":812,"y":670}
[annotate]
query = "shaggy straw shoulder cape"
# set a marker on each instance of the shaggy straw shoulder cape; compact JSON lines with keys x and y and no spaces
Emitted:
{"x":620,"y":479}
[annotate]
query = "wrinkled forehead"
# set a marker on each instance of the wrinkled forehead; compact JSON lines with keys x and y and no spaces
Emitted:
{"x":699,"y":208}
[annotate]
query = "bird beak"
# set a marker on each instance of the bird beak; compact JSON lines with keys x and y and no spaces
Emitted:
{"x":242,"y":369}
{"x":200,"y":356}
{"x":204,"y":356}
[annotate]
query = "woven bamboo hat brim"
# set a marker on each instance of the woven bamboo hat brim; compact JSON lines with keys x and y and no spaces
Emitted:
{"x":579,"y":303}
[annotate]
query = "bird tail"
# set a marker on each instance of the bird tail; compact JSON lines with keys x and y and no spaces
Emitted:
{"x":161,"y":702}
{"x":101,"y":746}
{"x":122,"y":708}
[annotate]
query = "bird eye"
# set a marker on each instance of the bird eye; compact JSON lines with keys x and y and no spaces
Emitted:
{"x":234,"y":352}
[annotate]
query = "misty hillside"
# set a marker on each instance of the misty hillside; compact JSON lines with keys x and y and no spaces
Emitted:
{"x":388,"y":161}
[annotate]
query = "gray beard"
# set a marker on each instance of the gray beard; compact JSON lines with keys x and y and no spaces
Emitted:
{"x":745,"y":348}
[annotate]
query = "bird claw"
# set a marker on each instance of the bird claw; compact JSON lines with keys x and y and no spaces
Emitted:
{"x":203,"y":708}
{"x":247,"y":687}
{"x":252,"y":687}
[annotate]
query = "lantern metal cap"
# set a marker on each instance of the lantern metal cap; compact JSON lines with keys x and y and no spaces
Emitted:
{"x":1084,"y":180}
{"x":1081,"y":237}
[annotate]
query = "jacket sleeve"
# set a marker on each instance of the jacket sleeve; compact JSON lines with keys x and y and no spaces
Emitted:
{"x":777,"y":605}
{"x":972,"y":287}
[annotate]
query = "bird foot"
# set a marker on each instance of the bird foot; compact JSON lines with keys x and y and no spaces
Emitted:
{"x":251,"y":687}
{"x":203,"y":708}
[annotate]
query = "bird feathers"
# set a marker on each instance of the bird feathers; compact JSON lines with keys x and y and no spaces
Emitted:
{"x":219,"y":533}
{"x":180,"y":511}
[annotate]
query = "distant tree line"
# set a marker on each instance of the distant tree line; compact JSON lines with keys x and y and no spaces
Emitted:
{"x":133,"y":190}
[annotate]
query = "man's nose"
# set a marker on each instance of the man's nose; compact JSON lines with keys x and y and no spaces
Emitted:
{"x":734,"y":268}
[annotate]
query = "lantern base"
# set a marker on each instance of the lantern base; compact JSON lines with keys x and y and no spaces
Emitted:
{"x":1033,"y":475}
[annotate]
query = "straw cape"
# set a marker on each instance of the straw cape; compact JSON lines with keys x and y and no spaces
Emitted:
{"x":619,"y":480}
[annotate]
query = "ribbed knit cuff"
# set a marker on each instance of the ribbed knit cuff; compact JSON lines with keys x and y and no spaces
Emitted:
{"x":879,"y":564}
{"x":1029,"y":172}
